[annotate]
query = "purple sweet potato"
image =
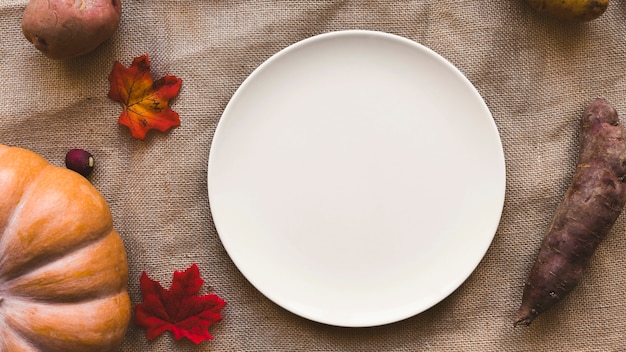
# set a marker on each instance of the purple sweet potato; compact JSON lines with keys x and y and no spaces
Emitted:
{"x":585,"y":216}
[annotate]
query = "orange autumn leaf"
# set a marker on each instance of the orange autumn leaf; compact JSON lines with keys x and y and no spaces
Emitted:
{"x":145,"y":103}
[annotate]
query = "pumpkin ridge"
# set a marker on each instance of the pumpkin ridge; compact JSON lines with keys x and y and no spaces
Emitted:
{"x":78,"y":330}
{"x":14,"y":217}
{"x":47,"y":258}
{"x":98,"y":269}
{"x":23,"y":299}
{"x":24,"y":339}
{"x":26,"y":162}
{"x":10,"y":341}
{"x":94,"y":205}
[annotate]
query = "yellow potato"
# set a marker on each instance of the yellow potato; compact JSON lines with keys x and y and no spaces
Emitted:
{"x":571,"y":10}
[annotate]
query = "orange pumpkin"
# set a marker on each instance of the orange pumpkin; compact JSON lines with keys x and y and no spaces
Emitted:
{"x":63,"y":268}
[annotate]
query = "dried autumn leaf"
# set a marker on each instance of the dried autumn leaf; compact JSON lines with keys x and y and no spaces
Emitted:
{"x":145,"y":103}
{"x":179,"y":309}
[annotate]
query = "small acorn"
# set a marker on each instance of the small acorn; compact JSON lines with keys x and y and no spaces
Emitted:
{"x":80,"y":161}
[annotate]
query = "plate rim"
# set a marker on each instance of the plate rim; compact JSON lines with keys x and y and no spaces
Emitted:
{"x":388,"y":36}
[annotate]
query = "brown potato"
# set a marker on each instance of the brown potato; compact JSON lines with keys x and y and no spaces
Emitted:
{"x":63,"y":29}
{"x":571,"y":10}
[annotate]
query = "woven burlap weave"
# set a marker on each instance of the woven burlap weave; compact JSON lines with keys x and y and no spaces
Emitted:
{"x":535,"y":74}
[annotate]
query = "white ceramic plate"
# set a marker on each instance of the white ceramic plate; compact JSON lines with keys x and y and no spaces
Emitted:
{"x":356,"y":178}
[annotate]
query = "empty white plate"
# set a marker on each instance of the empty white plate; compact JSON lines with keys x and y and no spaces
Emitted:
{"x":356,"y":178}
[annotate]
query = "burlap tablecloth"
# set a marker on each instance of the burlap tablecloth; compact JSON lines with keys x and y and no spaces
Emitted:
{"x":535,"y":74}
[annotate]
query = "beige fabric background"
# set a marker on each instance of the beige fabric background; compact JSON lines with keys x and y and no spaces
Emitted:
{"x":535,"y":74}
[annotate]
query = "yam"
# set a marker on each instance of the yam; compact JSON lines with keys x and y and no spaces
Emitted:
{"x":590,"y":207}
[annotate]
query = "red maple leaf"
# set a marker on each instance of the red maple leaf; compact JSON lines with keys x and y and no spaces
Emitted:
{"x":145,"y":103}
{"x":179,"y":309}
